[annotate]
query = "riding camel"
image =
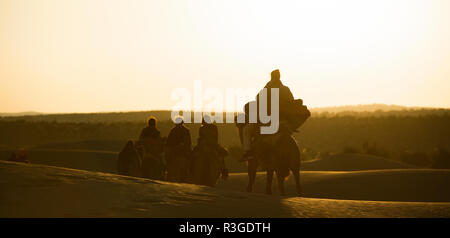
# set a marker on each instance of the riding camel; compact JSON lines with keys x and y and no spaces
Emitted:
{"x":153,"y":164}
{"x":129,"y":161}
{"x":283,"y":157}
{"x":208,"y":164}
{"x":177,"y":164}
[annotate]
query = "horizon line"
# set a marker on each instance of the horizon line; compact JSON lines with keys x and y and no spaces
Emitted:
{"x":36,"y":113}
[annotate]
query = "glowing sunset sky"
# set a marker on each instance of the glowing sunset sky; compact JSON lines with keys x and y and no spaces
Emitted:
{"x":120,"y":55}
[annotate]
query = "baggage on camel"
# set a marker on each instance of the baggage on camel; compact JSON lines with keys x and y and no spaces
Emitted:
{"x":294,"y":113}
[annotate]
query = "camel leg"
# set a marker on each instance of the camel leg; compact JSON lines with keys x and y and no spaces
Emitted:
{"x":280,"y":179}
{"x":296,"y":173}
{"x":252,"y":167}
{"x":269,"y":181}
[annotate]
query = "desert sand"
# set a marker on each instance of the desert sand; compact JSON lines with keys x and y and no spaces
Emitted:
{"x":30,"y":190}
{"x":408,"y":185}
{"x":105,"y":161}
{"x":352,"y":162}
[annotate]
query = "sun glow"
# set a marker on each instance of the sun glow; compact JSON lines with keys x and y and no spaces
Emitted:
{"x":64,"y":56}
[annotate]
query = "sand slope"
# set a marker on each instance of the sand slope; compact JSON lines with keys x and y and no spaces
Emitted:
{"x":45,"y":191}
{"x":106,"y":161}
{"x":352,"y":162}
{"x":91,"y":160}
{"x":412,"y":185}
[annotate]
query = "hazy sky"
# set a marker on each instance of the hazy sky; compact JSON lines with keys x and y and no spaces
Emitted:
{"x":119,"y":55}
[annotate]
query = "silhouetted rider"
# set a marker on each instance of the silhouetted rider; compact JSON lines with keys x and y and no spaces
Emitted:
{"x":150,"y":131}
{"x":209,"y":136}
{"x":150,"y":137}
{"x":179,"y":139}
{"x":286,"y":99}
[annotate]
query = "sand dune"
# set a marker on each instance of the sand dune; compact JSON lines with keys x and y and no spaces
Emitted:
{"x":46,"y":191}
{"x":91,"y":160}
{"x":413,"y":185}
{"x":105,"y":161}
{"x":95,"y":145}
{"x":352,"y":162}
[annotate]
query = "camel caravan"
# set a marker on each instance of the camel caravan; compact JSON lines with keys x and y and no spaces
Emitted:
{"x":172,"y":158}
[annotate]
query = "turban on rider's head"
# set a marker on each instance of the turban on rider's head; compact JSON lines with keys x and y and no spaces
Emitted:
{"x":151,"y":121}
{"x":275,"y":75}
{"x":178,"y":120}
{"x":207,"y":119}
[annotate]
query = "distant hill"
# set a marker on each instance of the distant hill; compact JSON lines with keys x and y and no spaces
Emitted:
{"x":365,"y":108}
{"x":95,"y":117}
{"x":18,"y":114}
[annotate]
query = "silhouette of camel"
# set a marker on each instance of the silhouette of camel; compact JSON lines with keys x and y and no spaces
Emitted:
{"x":281,"y":158}
{"x":207,"y":165}
{"x":153,"y":166}
{"x":177,"y":164}
{"x":129,"y":161}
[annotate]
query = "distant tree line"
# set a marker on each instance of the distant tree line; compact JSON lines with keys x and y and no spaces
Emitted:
{"x":388,"y":135}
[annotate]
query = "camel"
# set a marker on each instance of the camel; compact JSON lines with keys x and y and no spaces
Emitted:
{"x":282,"y":158}
{"x":134,"y":160}
{"x":153,"y":166}
{"x":178,"y":162}
{"x":208,"y":164}
{"x":129,"y":161}
{"x":177,"y":169}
